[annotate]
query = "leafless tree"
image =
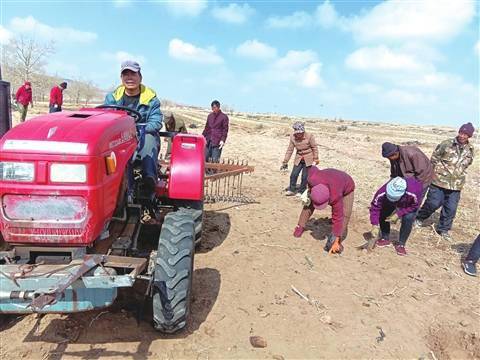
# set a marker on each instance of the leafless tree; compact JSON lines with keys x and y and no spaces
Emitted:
{"x":82,"y":91}
{"x":25,"y":60}
{"x":28,"y":56}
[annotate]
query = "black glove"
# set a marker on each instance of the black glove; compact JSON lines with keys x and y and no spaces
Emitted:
{"x":284,"y":167}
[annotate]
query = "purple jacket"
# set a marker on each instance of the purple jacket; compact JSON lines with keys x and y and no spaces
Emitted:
{"x":216,"y":128}
{"x":408,"y":203}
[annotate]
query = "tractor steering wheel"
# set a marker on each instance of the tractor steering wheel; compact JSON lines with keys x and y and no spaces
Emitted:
{"x":134,"y":113}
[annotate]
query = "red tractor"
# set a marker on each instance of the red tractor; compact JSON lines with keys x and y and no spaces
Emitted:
{"x":70,"y":222}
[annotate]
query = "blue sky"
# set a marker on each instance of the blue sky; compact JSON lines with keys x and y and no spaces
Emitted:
{"x":399,"y":61}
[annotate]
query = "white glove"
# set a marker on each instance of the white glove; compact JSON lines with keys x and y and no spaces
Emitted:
{"x":305,"y":197}
{"x":55,"y":106}
{"x":220,"y":144}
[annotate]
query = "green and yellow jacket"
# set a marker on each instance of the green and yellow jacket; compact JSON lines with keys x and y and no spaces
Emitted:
{"x":148,"y":106}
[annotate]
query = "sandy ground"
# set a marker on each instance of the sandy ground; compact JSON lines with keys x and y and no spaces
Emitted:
{"x":361,"y":305}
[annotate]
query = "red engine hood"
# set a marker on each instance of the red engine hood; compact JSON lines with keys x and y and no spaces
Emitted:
{"x":84,"y":132}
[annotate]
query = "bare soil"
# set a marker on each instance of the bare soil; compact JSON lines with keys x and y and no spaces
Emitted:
{"x":358,"y":304}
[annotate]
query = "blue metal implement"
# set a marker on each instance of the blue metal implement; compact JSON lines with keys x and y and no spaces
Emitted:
{"x":65,"y":289}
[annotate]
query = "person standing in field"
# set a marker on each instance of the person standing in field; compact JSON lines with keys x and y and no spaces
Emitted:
{"x":409,"y":161}
{"x":23,"y":97}
{"x":306,"y":156}
{"x":56,"y":97}
{"x":450,"y":160}
{"x":215,"y":132}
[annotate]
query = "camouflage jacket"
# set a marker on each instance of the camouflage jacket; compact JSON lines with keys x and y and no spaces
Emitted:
{"x":450,"y":161}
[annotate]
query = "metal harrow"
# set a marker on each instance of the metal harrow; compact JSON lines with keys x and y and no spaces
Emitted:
{"x":223,"y":181}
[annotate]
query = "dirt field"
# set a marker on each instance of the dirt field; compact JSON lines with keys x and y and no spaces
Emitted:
{"x":361,"y":305}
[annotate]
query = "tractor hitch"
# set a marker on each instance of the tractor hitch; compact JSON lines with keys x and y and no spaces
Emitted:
{"x":84,"y":284}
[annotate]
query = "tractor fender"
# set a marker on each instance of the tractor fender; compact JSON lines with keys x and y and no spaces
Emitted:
{"x":187,"y":167}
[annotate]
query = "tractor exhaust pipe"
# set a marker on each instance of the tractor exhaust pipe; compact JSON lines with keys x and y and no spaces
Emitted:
{"x":5,"y":106}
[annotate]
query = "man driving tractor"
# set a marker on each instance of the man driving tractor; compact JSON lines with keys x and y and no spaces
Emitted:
{"x":133,"y":94}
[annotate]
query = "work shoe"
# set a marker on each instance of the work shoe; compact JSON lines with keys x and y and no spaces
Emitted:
{"x":469,"y":268}
{"x":445,"y":235}
{"x":298,"y":231}
{"x":400,"y":249}
{"x":383,"y":243}
{"x":289,"y":193}
{"x":418,"y":223}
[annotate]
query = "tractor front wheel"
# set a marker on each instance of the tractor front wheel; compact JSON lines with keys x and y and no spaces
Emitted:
{"x":196,"y":209}
{"x":172,"y":285}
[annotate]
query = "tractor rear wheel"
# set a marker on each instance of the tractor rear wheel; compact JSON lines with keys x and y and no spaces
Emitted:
{"x":172,"y":285}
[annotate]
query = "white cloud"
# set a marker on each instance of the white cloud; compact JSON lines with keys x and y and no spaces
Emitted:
{"x":31,"y":26}
{"x":310,"y":76}
{"x":181,"y":50}
{"x":301,"y":68}
{"x":391,"y":20}
{"x":5,"y":35}
{"x":476,"y":48}
{"x":256,"y":49}
{"x":121,"y":56}
{"x":295,"y":59}
{"x":189,"y":8}
{"x":298,"y":19}
{"x":398,"y":20}
{"x":382,"y":58}
{"x":434,"y":81}
{"x":327,"y":16}
{"x":233,"y":13}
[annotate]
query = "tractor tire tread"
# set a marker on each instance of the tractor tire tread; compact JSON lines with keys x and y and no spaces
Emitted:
{"x":172,"y":284}
{"x":196,"y":211}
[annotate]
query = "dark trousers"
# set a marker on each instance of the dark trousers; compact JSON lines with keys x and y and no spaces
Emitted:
{"x":474,"y":253}
{"x":147,"y":152}
{"x":55,"y":109}
{"x":439,"y":197}
{"x":405,"y":228}
{"x":303,"y":168}
{"x":212,"y":153}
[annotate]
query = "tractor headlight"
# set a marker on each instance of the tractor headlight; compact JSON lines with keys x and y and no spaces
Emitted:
{"x":68,"y":173}
{"x":17,"y":171}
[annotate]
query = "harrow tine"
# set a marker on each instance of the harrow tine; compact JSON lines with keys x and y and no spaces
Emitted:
{"x":224,"y":180}
{"x":241,"y":182}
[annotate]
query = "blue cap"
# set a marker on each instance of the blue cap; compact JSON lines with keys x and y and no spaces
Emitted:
{"x":396,"y":189}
